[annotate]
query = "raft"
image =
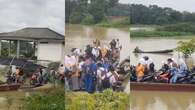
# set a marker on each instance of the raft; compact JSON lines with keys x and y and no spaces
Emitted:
{"x":166,"y":87}
{"x":137,"y":50}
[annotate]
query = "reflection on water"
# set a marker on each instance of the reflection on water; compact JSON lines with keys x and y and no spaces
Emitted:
{"x":78,"y":36}
{"x":162,"y":100}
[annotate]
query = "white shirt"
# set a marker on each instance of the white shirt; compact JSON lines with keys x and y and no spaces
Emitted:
{"x":95,"y":52}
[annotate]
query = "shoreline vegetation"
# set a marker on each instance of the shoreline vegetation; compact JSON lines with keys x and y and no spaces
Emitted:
{"x":155,"y":21}
{"x":121,"y":22}
{"x":171,"y":30}
{"x":109,"y":13}
{"x":97,"y":101}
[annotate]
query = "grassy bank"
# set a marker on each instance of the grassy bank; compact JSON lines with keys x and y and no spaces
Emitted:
{"x":171,"y":30}
{"x":117,"y":22}
{"x":158,"y":34}
{"x":108,"y":100}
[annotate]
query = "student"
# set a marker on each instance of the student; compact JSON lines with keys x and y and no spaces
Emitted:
{"x":180,"y":71}
{"x":140,"y":69}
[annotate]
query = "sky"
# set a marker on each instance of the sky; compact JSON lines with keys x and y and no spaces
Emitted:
{"x":180,"y":5}
{"x":124,"y":1}
{"x":17,"y":14}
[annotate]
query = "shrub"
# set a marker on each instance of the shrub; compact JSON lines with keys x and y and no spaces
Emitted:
{"x":187,"y":48}
{"x":54,"y":100}
{"x":89,"y":19}
{"x":108,"y":100}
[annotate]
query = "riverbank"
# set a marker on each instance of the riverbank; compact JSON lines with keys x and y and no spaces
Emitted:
{"x":120,"y":22}
{"x":171,"y":30}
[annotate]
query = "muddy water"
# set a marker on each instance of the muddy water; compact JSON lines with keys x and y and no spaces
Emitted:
{"x":162,"y":100}
{"x":78,"y":36}
{"x":12,"y":100}
{"x":150,"y":100}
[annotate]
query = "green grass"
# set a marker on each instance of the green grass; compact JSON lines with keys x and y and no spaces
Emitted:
{"x":108,"y":100}
{"x":124,"y":22}
{"x":158,"y":34}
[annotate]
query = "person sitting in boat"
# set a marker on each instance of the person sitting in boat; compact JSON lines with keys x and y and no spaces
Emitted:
{"x":173,"y":71}
{"x":181,"y":71}
{"x":19,"y":73}
{"x":163,"y":75}
{"x":148,"y":62}
{"x":140,"y":70}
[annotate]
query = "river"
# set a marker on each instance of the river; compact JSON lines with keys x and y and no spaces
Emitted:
{"x":150,"y":100}
{"x":78,"y":36}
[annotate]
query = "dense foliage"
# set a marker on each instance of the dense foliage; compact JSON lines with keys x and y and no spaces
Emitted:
{"x":94,"y":11}
{"x":186,"y":47}
{"x":53,"y":100}
{"x":108,"y":100}
{"x":141,"y":14}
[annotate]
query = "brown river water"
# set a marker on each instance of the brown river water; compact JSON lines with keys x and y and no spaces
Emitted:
{"x":150,"y":100}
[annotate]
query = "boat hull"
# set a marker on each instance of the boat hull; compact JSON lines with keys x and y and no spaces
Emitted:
{"x":11,"y":87}
{"x":134,"y":86}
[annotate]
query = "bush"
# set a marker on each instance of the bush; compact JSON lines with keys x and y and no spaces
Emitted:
{"x":108,"y":100}
{"x":54,"y":100}
{"x":76,"y":18}
{"x":88,"y":20}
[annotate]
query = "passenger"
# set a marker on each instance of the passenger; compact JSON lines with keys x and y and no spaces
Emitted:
{"x":100,"y":73}
{"x":61,"y":71}
{"x":95,"y":53}
{"x":140,"y":69}
{"x":104,"y":51}
{"x":114,"y":79}
{"x":17,"y":74}
{"x":118,"y":45}
{"x":113,"y":44}
{"x":89,"y":81}
{"x":181,"y":71}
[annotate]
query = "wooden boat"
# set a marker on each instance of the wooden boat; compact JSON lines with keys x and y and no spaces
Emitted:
{"x":9,"y":87}
{"x":137,"y":50}
{"x":135,"y":86}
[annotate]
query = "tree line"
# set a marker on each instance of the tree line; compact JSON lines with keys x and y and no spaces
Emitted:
{"x":155,"y":15}
{"x":93,"y":11}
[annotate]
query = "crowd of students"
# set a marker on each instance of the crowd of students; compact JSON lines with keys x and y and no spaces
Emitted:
{"x":93,"y":69}
{"x":169,"y":72}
